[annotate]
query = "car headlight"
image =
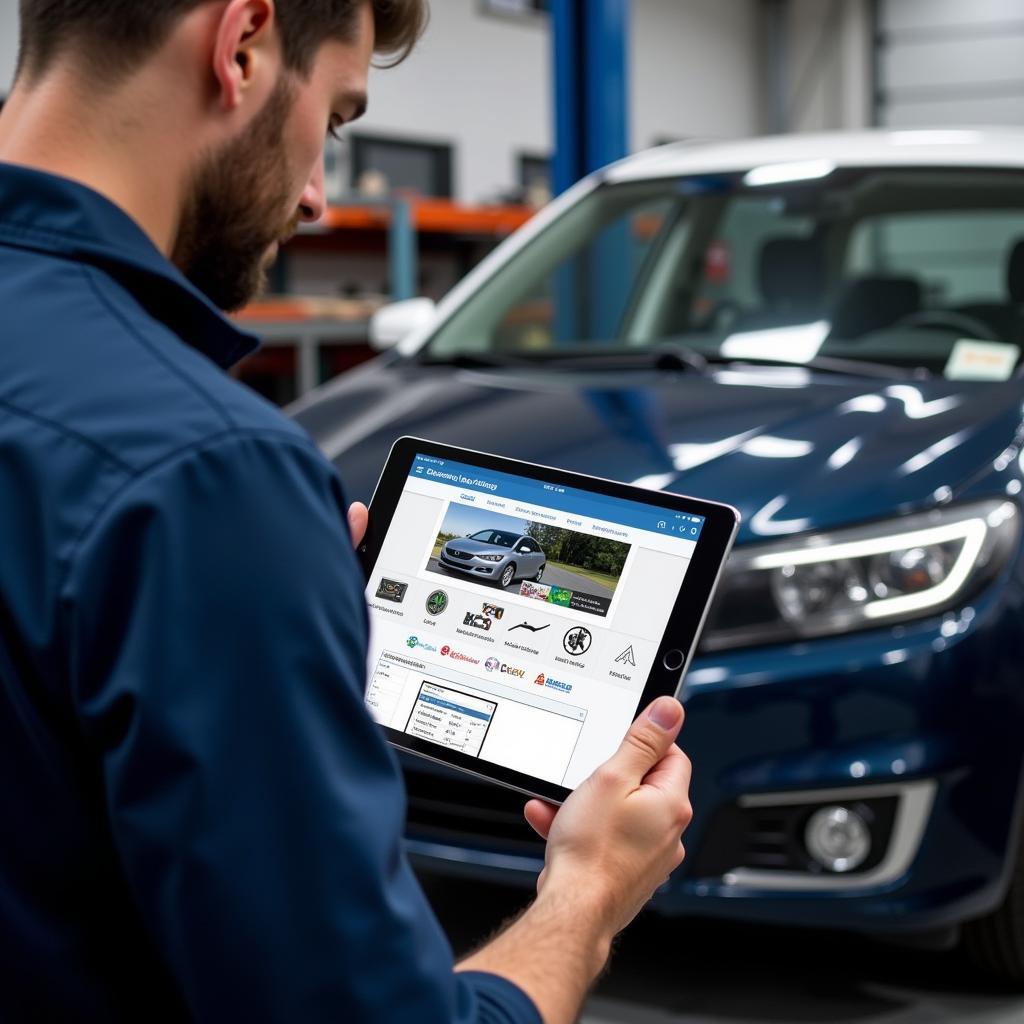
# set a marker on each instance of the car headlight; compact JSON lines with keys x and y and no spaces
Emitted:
{"x":881,"y":573}
{"x":491,"y":558}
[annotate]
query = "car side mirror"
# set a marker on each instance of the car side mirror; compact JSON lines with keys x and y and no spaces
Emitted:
{"x":397,"y":320}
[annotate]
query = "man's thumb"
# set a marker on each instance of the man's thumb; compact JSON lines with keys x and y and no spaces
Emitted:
{"x":650,"y":737}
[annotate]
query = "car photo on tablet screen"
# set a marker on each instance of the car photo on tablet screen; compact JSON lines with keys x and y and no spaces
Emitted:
{"x":532,"y":559}
{"x":496,"y":555}
{"x":826,"y":332}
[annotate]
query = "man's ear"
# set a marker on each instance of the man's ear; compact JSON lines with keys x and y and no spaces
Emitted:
{"x":245,"y":50}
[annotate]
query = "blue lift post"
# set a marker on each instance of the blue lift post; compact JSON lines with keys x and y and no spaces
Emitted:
{"x":591,"y":130}
{"x":402,"y":251}
{"x":402,"y":255}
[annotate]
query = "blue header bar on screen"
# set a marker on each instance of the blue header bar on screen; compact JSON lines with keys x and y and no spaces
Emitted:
{"x":634,"y":514}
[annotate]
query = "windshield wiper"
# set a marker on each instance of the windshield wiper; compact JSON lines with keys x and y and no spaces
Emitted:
{"x":590,"y":357}
{"x":669,"y":356}
{"x":835,"y":364}
{"x":477,"y":360}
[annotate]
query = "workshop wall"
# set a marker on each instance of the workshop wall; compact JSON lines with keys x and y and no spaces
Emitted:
{"x":482,"y":83}
{"x":826,"y":65}
{"x":479,"y":81}
{"x":8,"y":43}
{"x":694,"y":70}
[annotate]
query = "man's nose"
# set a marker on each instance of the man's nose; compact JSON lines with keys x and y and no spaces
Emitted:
{"x":313,"y":202}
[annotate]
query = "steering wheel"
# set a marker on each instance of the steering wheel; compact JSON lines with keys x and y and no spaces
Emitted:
{"x":949,"y":320}
{"x":723,"y":316}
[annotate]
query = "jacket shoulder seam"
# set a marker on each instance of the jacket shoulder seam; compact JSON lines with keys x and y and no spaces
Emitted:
{"x":135,"y":475}
{"x":95,"y":446}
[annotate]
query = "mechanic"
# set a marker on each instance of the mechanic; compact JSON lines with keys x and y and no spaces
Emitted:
{"x":201,"y":821}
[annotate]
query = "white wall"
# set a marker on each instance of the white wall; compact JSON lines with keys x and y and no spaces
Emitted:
{"x":828,"y":65}
{"x":480,"y":81}
{"x":694,"y":69}
{"x":8,"y":43}
{"x":484,"y":82}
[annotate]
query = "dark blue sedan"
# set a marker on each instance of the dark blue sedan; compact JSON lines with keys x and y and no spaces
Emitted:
{"x":825,"y":332}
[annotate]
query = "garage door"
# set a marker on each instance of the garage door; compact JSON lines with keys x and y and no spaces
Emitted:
{"x":947,"y":62}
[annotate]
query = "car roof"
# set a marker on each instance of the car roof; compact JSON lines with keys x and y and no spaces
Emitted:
{"x":925,"y":147}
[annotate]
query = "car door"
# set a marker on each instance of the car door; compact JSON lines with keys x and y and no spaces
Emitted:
{"x":529,"y":557}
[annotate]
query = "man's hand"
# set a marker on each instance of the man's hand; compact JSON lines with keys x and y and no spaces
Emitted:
{"x":610,"y":845}
{"x":620,"y":830}
{"x":358,"y":517}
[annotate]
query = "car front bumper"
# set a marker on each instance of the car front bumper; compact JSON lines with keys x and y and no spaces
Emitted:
{"x":471,"y":567}
{"x":930,"y":714}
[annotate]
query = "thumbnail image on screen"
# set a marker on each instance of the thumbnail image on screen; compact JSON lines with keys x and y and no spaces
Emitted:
{"x":536,"y":560}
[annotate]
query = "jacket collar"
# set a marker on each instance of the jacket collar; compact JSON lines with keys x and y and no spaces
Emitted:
{"x":45,"y":213}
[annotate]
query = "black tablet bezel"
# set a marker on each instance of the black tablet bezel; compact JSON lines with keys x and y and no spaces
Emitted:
{"x":685,"y":622}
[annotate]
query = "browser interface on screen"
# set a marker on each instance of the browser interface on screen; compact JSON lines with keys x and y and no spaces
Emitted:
{"x":517,"y":621}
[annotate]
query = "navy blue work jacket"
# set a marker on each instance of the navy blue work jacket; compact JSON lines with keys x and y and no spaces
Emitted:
{"x":198,"y":819}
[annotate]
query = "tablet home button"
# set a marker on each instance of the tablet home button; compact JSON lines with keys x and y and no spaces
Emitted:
{"x":673,"y":660}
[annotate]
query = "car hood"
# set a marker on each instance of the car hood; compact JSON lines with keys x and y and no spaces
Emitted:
{"x":476,"y":547}
{"x":792,"y":449}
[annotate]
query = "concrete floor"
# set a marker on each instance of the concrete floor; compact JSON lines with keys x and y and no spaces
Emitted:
{"x":704,"y":972}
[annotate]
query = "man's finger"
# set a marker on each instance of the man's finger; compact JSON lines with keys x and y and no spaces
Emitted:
{"x":541,"y":816}
{"x":649,"y":738}
{"x":671,"y":774}
{"x":358,"y":517}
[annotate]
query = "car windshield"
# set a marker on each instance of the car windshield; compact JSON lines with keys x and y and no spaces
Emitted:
{"x":894,"y":267}
{"x":496,"y":537}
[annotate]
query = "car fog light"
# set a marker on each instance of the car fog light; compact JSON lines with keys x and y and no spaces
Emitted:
{"x":838,"y":838}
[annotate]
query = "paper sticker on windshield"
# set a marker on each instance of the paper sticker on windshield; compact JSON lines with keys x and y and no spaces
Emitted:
{"x":981,"y":360}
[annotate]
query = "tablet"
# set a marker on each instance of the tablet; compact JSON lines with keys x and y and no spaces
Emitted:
{"x":521,"y":616}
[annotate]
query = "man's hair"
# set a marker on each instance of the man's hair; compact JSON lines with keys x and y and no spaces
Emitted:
{"x":114,"y":37}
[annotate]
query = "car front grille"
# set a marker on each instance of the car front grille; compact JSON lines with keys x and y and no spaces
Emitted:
{"x":464,"y":555}
{"x":455,"y":809}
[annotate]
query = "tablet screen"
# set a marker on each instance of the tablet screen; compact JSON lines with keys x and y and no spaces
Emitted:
{"x":517,"y":621}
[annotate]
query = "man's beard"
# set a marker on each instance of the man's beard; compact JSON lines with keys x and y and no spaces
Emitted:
{"x":237,"y":207}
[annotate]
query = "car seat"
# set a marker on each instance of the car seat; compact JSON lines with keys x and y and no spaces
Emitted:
{"x":791,"y":279}
{"x":1006,"y":319}
{"x":873,"y":302}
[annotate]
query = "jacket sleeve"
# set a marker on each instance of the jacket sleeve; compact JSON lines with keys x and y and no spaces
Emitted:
{"x":217,"y":632}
